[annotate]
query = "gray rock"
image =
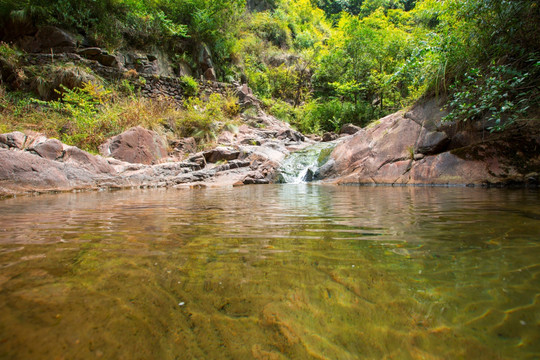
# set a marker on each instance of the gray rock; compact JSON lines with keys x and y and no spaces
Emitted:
{"x":205,"y":57}
{"x":349,"y":129}
{"x":291,"y":135}
{"x":324,"y":171}
{"x":184,"y":69}
{"x":432,"y":142}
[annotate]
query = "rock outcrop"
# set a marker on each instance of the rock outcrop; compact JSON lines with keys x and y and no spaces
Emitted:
{"x":47,"y":39}
{"x":416,"y":148}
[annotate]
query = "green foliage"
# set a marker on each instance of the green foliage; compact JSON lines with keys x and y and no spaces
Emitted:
{"x":496,"y":96}
{"x":316,"y":63}
{"x":205,"y":119}
{"x":81,"y":105}
{"x":272,"y":29}
{"x":190,"y":86}
{"x":9,"y":55}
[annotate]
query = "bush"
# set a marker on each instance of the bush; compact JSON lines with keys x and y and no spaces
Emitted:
{"x":190,"y":86}
{"x":495,"y":95}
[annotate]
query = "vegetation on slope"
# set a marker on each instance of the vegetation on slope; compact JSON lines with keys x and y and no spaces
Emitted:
{"x":318,"y":64}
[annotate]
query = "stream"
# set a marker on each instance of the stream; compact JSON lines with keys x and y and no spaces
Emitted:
{"x":301,"y":166}
{"x":292,"y":271}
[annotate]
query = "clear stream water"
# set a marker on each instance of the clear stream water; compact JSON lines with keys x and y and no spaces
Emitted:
{"x":272,"y":272}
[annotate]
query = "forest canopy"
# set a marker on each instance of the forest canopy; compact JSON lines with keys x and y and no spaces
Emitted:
{"x":320,"y":64}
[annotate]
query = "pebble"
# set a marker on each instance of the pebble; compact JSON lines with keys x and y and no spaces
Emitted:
{"x":181,"y":303}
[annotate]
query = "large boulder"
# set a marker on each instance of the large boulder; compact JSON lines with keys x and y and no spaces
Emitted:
{"x":136,"y":145}
{"x":390,"y":140}
{"x":397,"y":149}
{"x":47,"y":39}
{"x":21,"y":171}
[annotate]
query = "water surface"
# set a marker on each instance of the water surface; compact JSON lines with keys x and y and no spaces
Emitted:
{"x":272,"y":272}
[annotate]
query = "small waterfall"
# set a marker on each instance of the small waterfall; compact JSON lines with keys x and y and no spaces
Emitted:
{"x":300,"y":166}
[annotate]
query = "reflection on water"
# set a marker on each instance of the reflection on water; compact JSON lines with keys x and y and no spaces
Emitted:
{"x":272,"y":272}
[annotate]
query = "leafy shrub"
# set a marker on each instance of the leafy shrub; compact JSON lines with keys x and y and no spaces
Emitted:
{"x":190,"y":86}
{"x":495,"y":95}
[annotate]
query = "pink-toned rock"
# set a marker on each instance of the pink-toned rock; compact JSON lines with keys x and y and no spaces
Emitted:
{"x":226,"y":138}
{"x":221,"y":153}
{"x":136,"y":145}
{"x":185,"y":145}
{"x":51,"y":149}
{"x":398,"y":150}
{"x":83,"y":160}
{"x":391,"y":140}
{"x":21,"y":170}
{"x":33,"y":139}
{"x":14,"y":139}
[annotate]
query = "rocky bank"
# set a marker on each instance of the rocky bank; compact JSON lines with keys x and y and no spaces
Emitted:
{"x":32,"y":163}
{"x":416,"y":147}
{"x":412,"y":147}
